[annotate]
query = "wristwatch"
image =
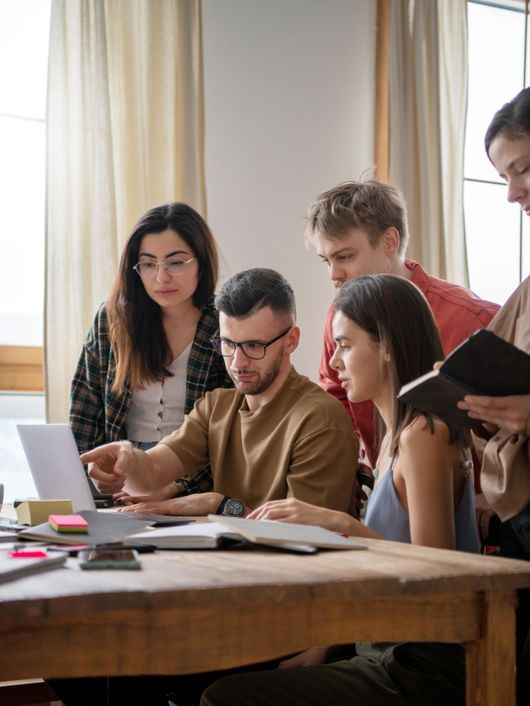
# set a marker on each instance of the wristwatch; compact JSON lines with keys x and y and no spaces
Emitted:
{"x":230,"y":507}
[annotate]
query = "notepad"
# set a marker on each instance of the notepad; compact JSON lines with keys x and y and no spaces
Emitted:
{"x":68,"y":523}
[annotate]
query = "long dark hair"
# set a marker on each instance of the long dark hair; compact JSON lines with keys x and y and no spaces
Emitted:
{"x":138,"y":340}
{"x":393,"y":310}
{"x":512,"y":120}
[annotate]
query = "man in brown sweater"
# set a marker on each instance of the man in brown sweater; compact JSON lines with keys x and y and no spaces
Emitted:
{"x":276,"y":435}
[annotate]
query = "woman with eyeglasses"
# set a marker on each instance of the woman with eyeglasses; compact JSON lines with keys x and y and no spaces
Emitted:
{"x":147,"y":357}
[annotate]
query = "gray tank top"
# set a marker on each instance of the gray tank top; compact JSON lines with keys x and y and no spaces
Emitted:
{"x":386,"y":516}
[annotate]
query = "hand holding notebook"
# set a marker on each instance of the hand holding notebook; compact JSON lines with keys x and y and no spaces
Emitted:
{"x":483,"y":365}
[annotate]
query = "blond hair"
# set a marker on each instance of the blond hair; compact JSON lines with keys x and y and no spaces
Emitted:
{"x":370,"y":205}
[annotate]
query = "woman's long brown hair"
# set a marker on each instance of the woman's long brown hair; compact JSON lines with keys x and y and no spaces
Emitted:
{"x":392,"y":309}
{"x":141,"y":350}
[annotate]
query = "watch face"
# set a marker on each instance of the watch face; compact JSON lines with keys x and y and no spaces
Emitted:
{"x":234,"y":508}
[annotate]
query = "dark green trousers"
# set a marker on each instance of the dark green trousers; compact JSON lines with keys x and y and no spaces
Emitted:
{"x":408,"y":674}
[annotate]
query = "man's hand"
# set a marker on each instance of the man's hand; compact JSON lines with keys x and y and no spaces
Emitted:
{"x":109,"y":464}
{"x":196,"y":504}
{"x":165,"y":493}
{"x":309,"y":658}
{"x":511,"y":413}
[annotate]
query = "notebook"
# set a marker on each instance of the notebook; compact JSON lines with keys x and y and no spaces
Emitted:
{"x":103,"y":528}
{"x":14,"y":568}
{"x":57,"y":471}
{"x":223,"y":532}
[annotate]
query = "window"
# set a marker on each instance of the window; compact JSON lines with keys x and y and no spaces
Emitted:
{"x":14,"y":471}
{"x":498,"y":243}
{"x":24,"y":33}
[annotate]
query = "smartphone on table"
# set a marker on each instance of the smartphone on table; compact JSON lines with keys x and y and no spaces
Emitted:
{"x":109,"y":559}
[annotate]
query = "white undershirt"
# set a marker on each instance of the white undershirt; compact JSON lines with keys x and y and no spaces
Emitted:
{"x":158,"y":408}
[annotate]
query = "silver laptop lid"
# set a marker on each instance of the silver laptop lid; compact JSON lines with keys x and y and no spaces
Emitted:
{"x":54,"y":462}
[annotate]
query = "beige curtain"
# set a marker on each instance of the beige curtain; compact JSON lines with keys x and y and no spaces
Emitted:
{"x":428,"y":94}
{"x":125,"y":132}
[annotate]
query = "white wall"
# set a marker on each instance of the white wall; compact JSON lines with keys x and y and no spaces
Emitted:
{"x":289,"y":94}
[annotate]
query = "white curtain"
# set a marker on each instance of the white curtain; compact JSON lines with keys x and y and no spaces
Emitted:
{"x":428,"y":98}
{"x":125,"y":132}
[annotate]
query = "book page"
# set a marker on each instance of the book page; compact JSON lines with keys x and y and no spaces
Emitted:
{"x":271,"y":532}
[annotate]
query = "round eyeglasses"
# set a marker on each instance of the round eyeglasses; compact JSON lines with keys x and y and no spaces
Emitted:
{"x":255,"y":350}
{"x":148,"y":269}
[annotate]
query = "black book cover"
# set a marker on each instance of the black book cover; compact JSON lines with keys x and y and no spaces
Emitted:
{"x":484,"y":364}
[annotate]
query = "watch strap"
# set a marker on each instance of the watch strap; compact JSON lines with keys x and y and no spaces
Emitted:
{"x":231,"y":507}
{"x":222,"y":505}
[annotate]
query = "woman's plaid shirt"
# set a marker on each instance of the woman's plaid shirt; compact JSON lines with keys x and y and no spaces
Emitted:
{"x":98,"y":415}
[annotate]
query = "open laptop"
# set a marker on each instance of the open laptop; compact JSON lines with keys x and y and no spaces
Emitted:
{"x":57,"y":471}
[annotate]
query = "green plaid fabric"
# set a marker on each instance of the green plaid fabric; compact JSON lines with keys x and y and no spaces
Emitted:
{"x":98,"y":415}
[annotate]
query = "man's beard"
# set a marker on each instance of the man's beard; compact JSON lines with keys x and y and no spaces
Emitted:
{"x":263,"y":383}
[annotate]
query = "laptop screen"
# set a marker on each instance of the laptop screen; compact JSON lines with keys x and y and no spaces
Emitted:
{"x":54,"y":462}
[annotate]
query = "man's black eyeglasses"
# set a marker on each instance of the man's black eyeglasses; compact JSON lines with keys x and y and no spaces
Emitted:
{"x":255,"y":350}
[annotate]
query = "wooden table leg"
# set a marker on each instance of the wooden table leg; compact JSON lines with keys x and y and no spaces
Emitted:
{"x":490,"y":660}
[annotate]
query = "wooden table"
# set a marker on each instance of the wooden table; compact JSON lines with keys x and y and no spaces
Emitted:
{"x":193,"y":611}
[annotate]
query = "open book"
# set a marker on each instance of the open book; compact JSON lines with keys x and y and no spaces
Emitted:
{"x":484,"y":364}
{"x":224,"y":532}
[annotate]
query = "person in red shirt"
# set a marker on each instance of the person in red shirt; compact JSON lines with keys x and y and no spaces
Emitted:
{"x":360,"y":228}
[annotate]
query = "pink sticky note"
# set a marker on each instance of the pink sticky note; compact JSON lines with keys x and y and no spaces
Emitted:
{"x":28,"y":554}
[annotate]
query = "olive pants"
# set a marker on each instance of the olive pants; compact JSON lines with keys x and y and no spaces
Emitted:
{"x":408,"y":674}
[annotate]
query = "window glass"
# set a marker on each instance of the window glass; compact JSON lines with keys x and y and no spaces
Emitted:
{"x":24,"y":39}
{"x":493,"y":32}
{"x":14,"y":472}
{"x":493,"y":251}
{"x":497,"y":255}
{"x":22,"y":187}
{"x":24,"y":33}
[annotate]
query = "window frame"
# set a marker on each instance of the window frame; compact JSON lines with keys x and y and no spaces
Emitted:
{"x":21,"y":369}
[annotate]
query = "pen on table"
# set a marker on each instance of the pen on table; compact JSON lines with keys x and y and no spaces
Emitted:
{"x":16,"y":546}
